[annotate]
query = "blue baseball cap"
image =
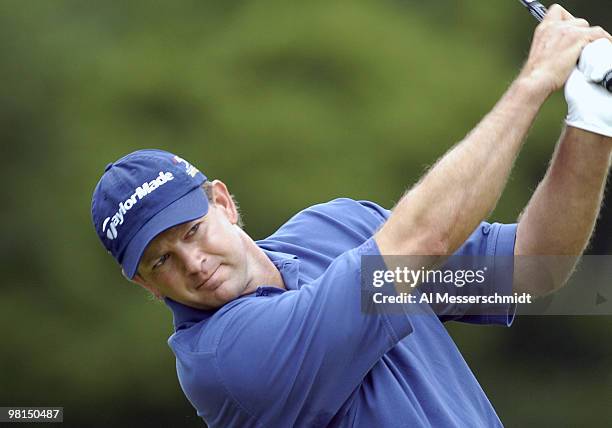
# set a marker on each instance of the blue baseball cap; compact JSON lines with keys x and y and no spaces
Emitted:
{"x":141,"y":195}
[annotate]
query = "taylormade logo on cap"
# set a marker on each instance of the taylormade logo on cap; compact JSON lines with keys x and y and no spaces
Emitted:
{"x":140,"y":192}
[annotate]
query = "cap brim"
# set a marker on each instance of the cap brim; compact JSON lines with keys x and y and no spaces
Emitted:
{"x":189,"y":207}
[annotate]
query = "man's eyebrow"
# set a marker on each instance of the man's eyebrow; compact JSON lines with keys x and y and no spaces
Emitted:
{"x":186,"y":227}
{"x":151,"y":254}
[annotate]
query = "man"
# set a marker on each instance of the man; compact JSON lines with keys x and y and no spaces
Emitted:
{"x":272,"y":333}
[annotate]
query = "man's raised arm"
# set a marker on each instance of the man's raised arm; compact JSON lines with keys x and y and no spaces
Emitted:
{"x":438,"y":214}
{"x":561,"y":214}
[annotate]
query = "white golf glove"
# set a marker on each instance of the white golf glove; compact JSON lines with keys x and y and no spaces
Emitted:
{"x":589,"y":103}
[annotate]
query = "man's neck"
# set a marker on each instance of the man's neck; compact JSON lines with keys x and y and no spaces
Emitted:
{"x":264,"y":271}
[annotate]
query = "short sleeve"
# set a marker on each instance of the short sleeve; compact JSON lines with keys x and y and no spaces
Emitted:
{"x":493,"y":246}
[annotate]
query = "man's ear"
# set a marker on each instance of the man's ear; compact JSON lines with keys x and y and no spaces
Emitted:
{"x":223,"y":200}
{"x":149,"y":287}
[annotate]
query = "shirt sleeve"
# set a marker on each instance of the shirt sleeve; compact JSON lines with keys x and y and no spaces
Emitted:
{"x":489,"y":247}
{"x":310,"y":347}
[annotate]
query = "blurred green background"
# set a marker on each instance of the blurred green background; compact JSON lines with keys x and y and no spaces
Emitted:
{"x":290,"y":103}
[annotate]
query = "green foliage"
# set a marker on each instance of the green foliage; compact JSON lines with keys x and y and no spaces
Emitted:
{"x":289,"y":103}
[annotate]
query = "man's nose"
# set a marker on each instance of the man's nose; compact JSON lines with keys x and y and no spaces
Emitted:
{"x":193,"y":261}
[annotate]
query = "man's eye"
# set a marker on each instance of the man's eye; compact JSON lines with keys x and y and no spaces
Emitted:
{"x":160,"y":261}
{"x":193,"y":229}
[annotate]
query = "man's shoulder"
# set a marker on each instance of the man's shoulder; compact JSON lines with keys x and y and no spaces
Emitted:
{"x":355,"y":206}
{"x":329,"y":228}
{"x":347,"y":211}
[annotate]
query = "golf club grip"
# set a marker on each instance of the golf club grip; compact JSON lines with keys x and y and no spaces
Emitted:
{"x":538,"y":10}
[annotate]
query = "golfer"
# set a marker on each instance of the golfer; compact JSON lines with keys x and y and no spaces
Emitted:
{"x":272,"y":333}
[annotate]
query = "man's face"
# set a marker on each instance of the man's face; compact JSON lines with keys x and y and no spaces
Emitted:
{"x":202,"y":263}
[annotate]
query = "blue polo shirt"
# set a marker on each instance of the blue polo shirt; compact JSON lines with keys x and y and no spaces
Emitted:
{"x":309,"y":356}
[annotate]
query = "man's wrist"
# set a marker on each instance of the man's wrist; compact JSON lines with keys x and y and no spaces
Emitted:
{"x":535,"y":85}
{"x":589,"y":137}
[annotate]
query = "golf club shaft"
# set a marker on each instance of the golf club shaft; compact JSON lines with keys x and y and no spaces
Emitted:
{"x":536,"y":8}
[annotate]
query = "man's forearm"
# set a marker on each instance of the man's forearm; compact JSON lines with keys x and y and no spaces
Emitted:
{"x":560,"y":217}
{"x":438,"y":214}
{"x":561,"y":214}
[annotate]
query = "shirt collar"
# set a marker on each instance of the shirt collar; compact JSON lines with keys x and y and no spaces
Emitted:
{"x":287,"y":264}
{"x":184,"y":315}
